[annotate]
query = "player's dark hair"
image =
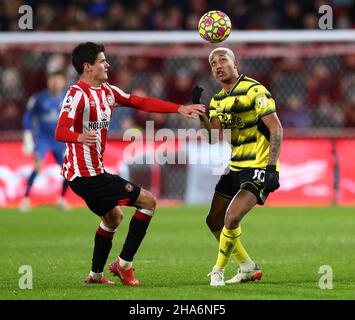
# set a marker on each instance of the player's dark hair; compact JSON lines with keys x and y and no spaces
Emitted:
{"x":85,"y":53}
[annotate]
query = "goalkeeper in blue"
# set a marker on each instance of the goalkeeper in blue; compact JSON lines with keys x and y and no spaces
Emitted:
{"x":39,"y":124}
{"x":247,"y":109}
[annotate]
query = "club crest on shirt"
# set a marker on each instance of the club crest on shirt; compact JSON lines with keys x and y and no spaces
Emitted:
{"x":109,"y":99}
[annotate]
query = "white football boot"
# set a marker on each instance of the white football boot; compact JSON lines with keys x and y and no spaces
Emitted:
{"x":25,"y":205}
{"x":217,"y":277}
{"x":245,"y":276}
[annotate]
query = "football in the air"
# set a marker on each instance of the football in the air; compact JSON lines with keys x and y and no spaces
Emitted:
{"x":214,"y":26}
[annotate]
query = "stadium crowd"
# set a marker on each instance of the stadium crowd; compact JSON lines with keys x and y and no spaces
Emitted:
{"x":173,"y":14}
{"x":310,"y":91}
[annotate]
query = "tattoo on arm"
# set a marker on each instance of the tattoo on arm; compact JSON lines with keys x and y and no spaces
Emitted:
{"x":275,"y":146}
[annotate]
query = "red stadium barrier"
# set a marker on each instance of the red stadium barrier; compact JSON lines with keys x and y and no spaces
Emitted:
{"x":15,"y":168}
{"x":345,"y":150}
{"x":307,"y":174}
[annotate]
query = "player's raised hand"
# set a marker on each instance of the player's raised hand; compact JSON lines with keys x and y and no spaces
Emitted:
{"x":89,"y":138}
{"x":28,"y":143}
{"x":196,"y":94}
{"x":192,"y":110}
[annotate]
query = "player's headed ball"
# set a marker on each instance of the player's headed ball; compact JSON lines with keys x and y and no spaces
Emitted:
{"x":214,"y":26}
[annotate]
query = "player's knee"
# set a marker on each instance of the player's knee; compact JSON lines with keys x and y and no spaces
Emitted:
{"x":232,"y":220}
{"x":118,"y":219}
{"x":150,"y":202}
{"x":112,"y":225}
{"x":114,"y":220}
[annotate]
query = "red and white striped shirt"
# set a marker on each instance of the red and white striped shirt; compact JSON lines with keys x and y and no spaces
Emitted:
{"x":87,"y":108}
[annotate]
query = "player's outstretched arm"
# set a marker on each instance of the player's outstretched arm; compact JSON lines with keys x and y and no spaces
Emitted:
{"x":150,"y":104}
{"x":192,"y":110}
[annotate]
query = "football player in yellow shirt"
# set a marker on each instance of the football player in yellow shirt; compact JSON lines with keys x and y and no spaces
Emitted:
{"x":247,"y":108}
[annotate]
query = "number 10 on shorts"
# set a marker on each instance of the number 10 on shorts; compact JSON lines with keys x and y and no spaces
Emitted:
{"x":259,"y":174}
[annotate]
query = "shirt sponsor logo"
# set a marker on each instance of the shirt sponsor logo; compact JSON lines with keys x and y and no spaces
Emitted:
{"x":98,"y":125}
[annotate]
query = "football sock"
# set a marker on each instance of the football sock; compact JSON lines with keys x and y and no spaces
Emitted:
{"x":30,"y":181}
{"x":247,"y":265}
{"x":239,"y":253}
{"x":64,"y":187}
{"x":125,"y":264}
{"x":95,"y":275}
{"x":227,"y":244}
{"x":137,"y":230}
{"x":103,"y":244}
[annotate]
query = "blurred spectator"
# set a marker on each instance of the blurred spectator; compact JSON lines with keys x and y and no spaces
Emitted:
{"x":180,"y":86}
{"x":327,"y":114}
{"x":11,"y":88}
{"x":349,"y":116}
{"x":321,"y":82}
{"x":348,"y":79}
{"x":294,"y":114}
{"x":292,"y":18}
{"x":11,"y":117}
{"x":45,"y":16}
{"x":310,"y":90}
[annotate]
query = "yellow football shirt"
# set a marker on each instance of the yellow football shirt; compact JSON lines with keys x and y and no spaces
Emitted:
{"x":241,"y":110}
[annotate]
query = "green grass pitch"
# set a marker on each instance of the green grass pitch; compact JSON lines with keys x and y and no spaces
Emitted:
{"x":289,"y":244}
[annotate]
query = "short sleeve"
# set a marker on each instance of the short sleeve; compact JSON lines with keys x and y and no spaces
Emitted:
{"x":262,"y":100}
{"x":212,"y":109}
{"x":71,"y":103}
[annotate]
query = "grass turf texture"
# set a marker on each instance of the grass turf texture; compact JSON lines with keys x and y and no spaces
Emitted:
{"x":289,"y":244}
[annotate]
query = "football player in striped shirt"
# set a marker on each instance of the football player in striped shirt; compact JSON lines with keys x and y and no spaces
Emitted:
{"x":83,"y":125}
{"x":247,"y":108}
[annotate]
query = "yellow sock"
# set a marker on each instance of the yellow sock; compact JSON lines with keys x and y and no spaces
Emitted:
{"x":239,"y":253}
{"x":227,"y":244}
